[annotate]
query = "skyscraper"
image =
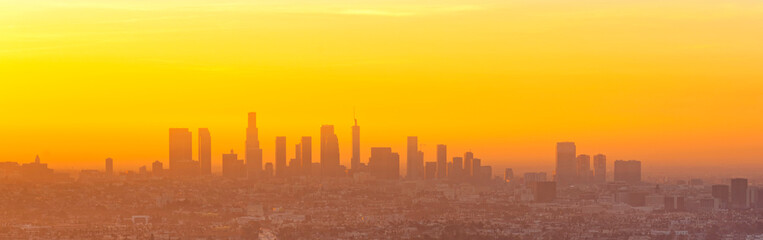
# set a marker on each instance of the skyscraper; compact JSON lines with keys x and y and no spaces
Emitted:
{"x":295,"y":165}
{"x":584,"y":168}
{"x":355,"y":161}
{"x":458,"y":168}
{"x":476,"y":167}
{"x":157,"y":168}
{"x":600,"y":168}
{"x":280,"y":170}
{"x":628,"y":171}
{"x":181,"y":163}
{"x":721,"y":192}
{"x":430,"y":169}
{"x":329,"y":152}
{"x":232,"y":166}
{"x":414,"y":164}
{"x":739,"y":193}
{"x":253,"y":150}
{"x":384,"y":163}
{"x":442,"y":161}
{"x":566,"y":167}
{"x":468,"y":157}
{"x":205,"y":151}
{"x":109,"y":167}
{"x":307,"y":155}
{"x":508,"y":176}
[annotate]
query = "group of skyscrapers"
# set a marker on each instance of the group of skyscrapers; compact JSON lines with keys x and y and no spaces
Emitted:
{"x":383,"y":162}
{"x":576,"y":169}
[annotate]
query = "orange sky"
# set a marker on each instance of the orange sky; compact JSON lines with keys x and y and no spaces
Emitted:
{"x":666,"y":82}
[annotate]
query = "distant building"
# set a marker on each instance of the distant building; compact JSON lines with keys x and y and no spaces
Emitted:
{"x":721,"y":192}
{"x":532,"y":177}
{"x":181,"y":163}
{"x":384,"y":163}
{"x":280,"y":170}
{"x":628,"y":171}
{"x":205,"y":151}
{"x":268,"y":170}
{"x":476,"y":167}
{"x":584,"y":173}
{"x":109,"y":167}
{"x":566,"y":166}
{"x":253,"y":152}
{"x":157,"y":169}
{"x":413,"y":159}
{"x":675,"y":203}
{"x":307,"y":156}
{"x":468,"y":157}
{"x":355,"y":161}
{"x":442,"y":161}
{"x":329,"y":152}
{"x":232,"y":166}
{"x":600,"y":168}
{"x":508,"y":175}
{"x":458,"y":168}
{"x":739,"y":193}
{"x":431,"y":170}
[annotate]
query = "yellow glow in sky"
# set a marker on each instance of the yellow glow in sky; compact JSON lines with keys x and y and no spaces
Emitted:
{"x":665,"y":82}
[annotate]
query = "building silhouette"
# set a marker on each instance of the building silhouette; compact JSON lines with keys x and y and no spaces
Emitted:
{"x":205,"y":151}
{"x":280,"y":170}
{"x":628,"y":171}
{"x":268,"y":170}
{"x":508,"y":175}
{"x":721,"y":192}
{"x":457,"y":170}
{"x":384,"y":163}
{"x":109,"y":167}
{"x":181,"y":163}
{"x":442,"y":161}
{"x":584,"y":173}
{"x":566,"y":164}
{"x":295,"y":164}
{"x":157,"y":169}
{"x":253,"y":150}
{"x":738,"y":195}
{"x":414,"y":161}
{"x":307,"y":155}
{"x":232,"y":166}
{"x":430,"y":169}
{"x":355,"y":160}
{"x":468,"y":157}
{"x":329,"y":152}
{"x":600,"y":168}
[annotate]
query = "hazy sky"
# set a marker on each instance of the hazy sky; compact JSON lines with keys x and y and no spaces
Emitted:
{"x":666,"y":82}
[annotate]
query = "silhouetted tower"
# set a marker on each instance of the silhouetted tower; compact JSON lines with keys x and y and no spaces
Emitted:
{"x":584,"y":168}
{"x":600,"y":168}
{"x":280,"y":170}
{"x":180,"y":152}
{"x":442,"y":161}
{"x":414,"y":165}
{"x":384,"y":163}
{"x":205,"y":151}
{"x":355,"y":161}
{"x":739,"y":193}
{"x":253,"y":150}
{"x":329,"y":152}
{"x":566,"y":167}
{"x":109,"y":167}
{"x":468,"y":158}
{"x":307,"y":155}
{"x":157,"y":168}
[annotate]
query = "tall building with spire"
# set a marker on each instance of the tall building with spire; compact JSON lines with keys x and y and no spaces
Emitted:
{"x":355,"y":161}
{"x":253,"y":150}
{"x":329,"y":152}
{"x":205,"y":151}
